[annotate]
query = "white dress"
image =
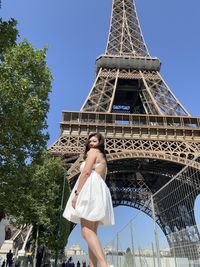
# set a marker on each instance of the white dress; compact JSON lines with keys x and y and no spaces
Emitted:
{"x":94,"y":201}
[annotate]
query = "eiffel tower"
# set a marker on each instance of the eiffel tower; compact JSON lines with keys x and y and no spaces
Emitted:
{"x":149,"y":135}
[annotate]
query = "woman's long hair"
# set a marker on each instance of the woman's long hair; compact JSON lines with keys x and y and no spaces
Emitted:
{"x":100,"y":146}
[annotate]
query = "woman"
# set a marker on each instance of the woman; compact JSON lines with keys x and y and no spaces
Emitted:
{"x":90,"y":202}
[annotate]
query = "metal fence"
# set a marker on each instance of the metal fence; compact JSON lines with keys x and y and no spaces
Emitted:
{"x":173,"y":209}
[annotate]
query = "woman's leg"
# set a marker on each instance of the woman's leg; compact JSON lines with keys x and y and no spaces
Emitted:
{"x":89,"y":233}
{"x":93,"y":259}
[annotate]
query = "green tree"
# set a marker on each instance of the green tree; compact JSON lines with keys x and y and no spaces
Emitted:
{"x":30,"y":180}
{"x":8,"y":34}
{"x":24,"y":87}
{"x":25,"y":83}
{"x":38,"y":200}
{"x":43,"y":196}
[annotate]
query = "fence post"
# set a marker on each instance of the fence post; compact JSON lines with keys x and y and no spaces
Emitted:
{"x":117,"y":249}
{"x":132,"y":244}
{"x":155,"y":233}
{"x":140,"y":259}
{"x":174,"y":254}
{"x":36,"y":247}
{"x":154,"y":263}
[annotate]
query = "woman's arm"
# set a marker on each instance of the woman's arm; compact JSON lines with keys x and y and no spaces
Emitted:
{"x":90,"y":160}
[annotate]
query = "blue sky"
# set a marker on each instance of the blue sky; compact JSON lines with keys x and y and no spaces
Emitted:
{"x":76,"y":33}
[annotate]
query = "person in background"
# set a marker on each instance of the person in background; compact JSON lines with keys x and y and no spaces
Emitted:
{"x":9,"y":257}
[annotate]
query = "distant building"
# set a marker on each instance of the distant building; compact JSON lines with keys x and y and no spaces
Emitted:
{"x":74,"y":250}
{"x":109,"y":250}
{"x":166,"y":252}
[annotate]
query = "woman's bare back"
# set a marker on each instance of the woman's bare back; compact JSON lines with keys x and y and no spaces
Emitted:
{"x":101,"y":165}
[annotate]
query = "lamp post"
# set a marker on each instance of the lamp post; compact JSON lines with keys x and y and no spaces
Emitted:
{"x":60,"y":217}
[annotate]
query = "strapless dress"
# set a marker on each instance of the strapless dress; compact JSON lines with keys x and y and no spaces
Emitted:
{"x":94,"y":201}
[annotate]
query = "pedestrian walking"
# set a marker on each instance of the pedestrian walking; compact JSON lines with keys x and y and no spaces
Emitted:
{"x":9,"y":259}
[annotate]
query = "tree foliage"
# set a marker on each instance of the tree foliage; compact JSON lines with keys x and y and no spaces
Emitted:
{"x":8,"y":34}
{"x":30,"y":180}
{"x":24,"y":87}
{"x":25,"y":82}
{"x":42,"y":199}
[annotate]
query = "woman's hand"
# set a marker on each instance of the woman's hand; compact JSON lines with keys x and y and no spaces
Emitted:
{"x":74,"y":201}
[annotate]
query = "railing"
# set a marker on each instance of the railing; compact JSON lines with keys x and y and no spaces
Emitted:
{"x":131,"y":120}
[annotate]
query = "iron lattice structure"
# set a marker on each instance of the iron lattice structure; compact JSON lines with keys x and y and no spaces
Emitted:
{"x":149,"y":135}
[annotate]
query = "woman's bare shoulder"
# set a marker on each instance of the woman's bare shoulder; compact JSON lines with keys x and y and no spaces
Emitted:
{"x":92,"y":152}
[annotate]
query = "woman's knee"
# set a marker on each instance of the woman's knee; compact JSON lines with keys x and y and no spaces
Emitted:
{"x":88,"y":228}
{"x":85,"y":232}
